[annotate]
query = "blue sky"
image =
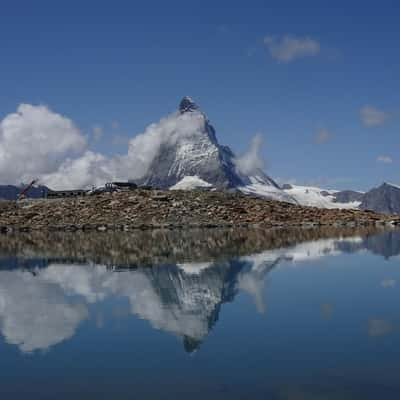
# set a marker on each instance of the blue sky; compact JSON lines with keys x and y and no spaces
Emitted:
{"x":319,"y":82}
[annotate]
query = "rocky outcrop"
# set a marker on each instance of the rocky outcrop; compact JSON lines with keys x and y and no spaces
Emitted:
{"x":144,"y":209}
{"x":348,"y":196}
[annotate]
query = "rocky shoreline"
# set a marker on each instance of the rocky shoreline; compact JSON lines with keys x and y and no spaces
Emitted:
{"x":155,"y":209}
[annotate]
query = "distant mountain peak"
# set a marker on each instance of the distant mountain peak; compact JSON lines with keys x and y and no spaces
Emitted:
{"x":384,"y":199}
{"x":187,"y":104}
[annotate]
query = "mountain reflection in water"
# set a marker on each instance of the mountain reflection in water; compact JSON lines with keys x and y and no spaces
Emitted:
{"x":177,"y":281}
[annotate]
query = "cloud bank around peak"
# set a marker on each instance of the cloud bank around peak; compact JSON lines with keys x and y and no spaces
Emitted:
{"x":251,"y":161}
{"x":36,"y":142}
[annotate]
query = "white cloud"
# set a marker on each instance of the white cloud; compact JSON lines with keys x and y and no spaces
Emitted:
{"x":96,"y":169}
{"x":371,"y":116}
{"x":251,"y":161}
{"x":97,"y":132}
{"x":253,"y":283}
{"x":40,"y":310}
{"x":83,"y":172}
{"x":322,"y":136}
{"x":35,"y":141}
{"x":380,"y":327}
{"x":145,"y":146}
{"x":388,"y":283}
{"x":34,"y":313}
{"x":288,"y":48}
{"x":384,"y":159}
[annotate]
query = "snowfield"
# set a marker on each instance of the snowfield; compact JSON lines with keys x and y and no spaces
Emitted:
{"x":190,"y":183}
{"x":258,"y":187}
{"x":316,"y":197}
{"x":302,"y":195}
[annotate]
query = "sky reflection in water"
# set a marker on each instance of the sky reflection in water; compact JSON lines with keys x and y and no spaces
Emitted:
{"x":222,"y":314}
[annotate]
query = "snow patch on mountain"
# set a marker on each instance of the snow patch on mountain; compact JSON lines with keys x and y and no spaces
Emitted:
{"x":392,"y":184}
{"x":190,"y":183}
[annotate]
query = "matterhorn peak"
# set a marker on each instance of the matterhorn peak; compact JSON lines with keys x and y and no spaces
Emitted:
{"x":193,"y":157}
{"x":187,"y":105}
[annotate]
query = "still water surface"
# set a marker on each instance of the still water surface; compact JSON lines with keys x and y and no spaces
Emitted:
{"x":201,"y":315}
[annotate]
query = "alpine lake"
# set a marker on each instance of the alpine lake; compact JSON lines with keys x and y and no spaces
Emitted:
{"x":201,"y":314}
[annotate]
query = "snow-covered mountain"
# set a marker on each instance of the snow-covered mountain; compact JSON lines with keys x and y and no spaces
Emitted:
{"x":198,"y":157}
{"x":194,"y":159}
{"x":384,"y":199}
